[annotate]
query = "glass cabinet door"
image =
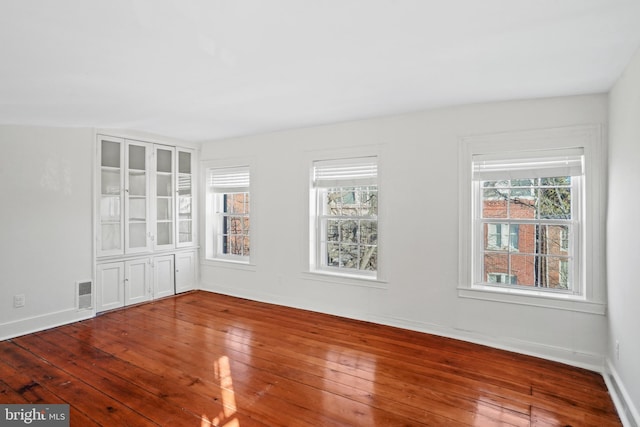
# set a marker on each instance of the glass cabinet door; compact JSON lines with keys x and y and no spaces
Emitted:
{"x":184,"y":194}
{"x":138,"y":228}
{"x":164,"y":199}
{"x":111,"y":204}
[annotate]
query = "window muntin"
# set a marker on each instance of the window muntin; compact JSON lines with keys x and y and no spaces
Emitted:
{"x":345,"y":200}
{"x":528,"y":224}
{"x":229,"y":214}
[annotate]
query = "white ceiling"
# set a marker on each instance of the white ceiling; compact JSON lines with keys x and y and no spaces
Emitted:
{"x":208,"y":69}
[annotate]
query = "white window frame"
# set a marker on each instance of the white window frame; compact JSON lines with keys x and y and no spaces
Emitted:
{"x":540,"y":163}
{"x":318,"y":187}
{"x":222,"y":181}
{"x":589,"y":295}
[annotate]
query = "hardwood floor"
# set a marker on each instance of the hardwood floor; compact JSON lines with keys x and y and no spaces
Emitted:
{"x":203,"y":359}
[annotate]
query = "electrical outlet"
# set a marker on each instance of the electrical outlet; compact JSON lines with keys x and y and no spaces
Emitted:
{"x":18,"y":301}
{"x":617,"y":350}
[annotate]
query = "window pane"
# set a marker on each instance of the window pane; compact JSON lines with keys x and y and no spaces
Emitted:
{"x":529,"y":182}
{"x":495,"y":263}
{"x":235,"y":203}
{"x":333,"y":230}
{"x":556,"y":181}
{"x":552,"y":238}
{"x":522,"y":207}
{"x":234,"y":244}
{"x":233,"y":225}
{"x":368,"y":258}
{"x":333,"y":254}
{"x":527,"y":238}
{"x":348,"y":231}
{"x":552,"y":274}
{"x":369,"y":201}
{"x":555,"y":203}
{"x":349,"y":256}
{"x":524,"y":268}
{"x":368,"y":232}
{"x":494,"y":203}
{"x":247,"y":246}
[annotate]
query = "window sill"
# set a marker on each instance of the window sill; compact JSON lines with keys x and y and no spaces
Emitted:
{"x":344,"y":279}
{"x":533,"y":298}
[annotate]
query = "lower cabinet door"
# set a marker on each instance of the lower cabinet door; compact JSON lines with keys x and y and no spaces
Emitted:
{"x":185,"y":271}
{"x":136,"y":281}
{"x":163,"y":276}
{"x":109,"y":286}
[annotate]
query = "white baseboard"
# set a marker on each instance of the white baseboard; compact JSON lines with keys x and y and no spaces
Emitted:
{"x":628,"y":413}
{"x":39,"y":323}
{"x":590,"y":361}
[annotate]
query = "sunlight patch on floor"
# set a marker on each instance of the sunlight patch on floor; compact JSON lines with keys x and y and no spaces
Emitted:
{"x":222,"y":370}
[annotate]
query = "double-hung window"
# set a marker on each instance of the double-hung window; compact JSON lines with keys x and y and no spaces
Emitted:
{"x":528,"y":220}
{"x":229,"y":208}
{"x":531,"y":223}
{"x":344,"y":200}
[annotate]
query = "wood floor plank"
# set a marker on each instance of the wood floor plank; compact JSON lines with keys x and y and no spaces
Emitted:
{"x":202,"y":359}
{"x":383,"y":400}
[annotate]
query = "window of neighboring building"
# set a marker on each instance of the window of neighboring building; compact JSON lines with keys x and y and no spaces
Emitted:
{"x":531,"y":218}
{"x":345,"y":204}
{"x":502,"y":278}
{"x":503,"y":236}
{"x":228,"y":219}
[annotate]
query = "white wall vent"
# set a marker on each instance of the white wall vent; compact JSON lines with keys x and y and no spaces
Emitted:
{"x":84,"y":292}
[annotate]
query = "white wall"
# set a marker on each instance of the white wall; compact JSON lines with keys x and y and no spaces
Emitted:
{"x":419,"y":211}
{"x":45,"y":224}
{"x":623,"y":234}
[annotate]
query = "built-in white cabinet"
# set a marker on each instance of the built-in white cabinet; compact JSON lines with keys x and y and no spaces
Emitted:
{"x":146,"y":197}
{"x":137,"y":230}
{"x":163,"y":276}
{"x":184,"y":193}
{"x":185,"y":271}
{"x":145,"y":221}
{"x":164,"y":198}
{"x":137,"y":280}
{"x":110,"y":286}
